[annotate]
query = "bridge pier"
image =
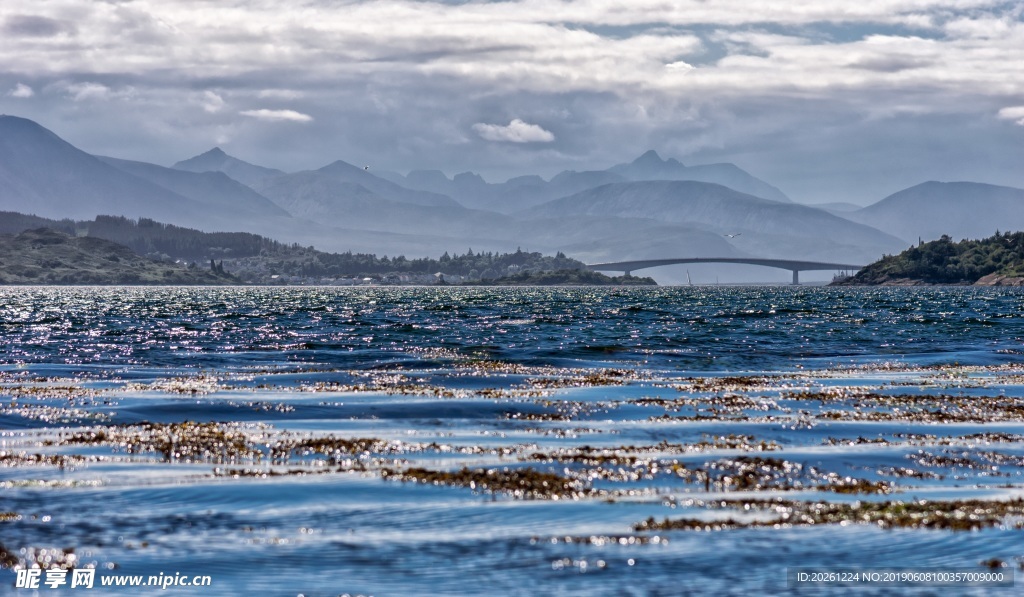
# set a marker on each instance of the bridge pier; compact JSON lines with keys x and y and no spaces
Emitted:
{"x":796,"y":277}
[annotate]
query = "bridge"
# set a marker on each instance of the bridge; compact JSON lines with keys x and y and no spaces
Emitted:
{"x":794,"y":266}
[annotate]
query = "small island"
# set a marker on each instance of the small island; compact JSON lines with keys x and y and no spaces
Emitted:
{"x":994,"y":261}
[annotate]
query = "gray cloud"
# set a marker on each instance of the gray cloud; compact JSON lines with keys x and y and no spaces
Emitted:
{"x":20,"y":25}
{"x":890,"y":64}
{"x":407,"y":85}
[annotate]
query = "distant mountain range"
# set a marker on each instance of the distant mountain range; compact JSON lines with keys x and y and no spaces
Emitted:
{"x":341,"y":178}
{"x":43,"y":174}
{"x":527,"y":191}
{"x":757,"y":226}
{"x":650,"y":207}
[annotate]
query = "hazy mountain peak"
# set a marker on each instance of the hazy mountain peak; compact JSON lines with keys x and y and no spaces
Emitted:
{"x":464,"y":177}
{"x":213,"y":188}
{"x":334,"y":179}
{"x":526,"y":179}
{"x":337,"y":165}
{"x":563,"y":175}
{"x":45,"y":175}
{"x":768,"y":227}
{"x":217,"y":160}
{"x":649,"y":158}
{"x":8,"y":121}
{"x":952,"y":191}
{"x":650,"y":166}
{"x":17,"y":131}
{"x":210,"y":160}
{"x":427,"y":177}
{"x":960,"y":209}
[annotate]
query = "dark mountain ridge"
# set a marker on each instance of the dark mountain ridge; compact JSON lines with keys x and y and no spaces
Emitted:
{"x":209,"y":188}
{"x":40,"y":173}
{"x":43,"y":174}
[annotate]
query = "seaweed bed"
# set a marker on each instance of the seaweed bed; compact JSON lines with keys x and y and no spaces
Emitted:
{"x":550,"y":434}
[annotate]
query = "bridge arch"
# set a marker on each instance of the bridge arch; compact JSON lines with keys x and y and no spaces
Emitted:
{"x":793,"y":265}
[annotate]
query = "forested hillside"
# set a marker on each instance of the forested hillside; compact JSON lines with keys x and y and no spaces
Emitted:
{"x":254,"y":257}
{"x":946,"y":262}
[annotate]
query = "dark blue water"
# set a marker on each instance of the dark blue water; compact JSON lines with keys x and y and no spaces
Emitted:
{"x":703,"y":328}
{"x":499,"y":380}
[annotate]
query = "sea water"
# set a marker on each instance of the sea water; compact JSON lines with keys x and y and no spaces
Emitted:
{"x":397,"y":441}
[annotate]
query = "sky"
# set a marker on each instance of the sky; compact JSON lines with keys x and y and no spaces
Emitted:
{"x":827,"y":100}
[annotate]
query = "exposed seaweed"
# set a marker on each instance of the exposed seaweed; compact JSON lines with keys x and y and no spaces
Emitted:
{"x":8,"y":559}
{"x":963,"y":515}
{"x":16,"y":459}
{"x":185,"y":441}
{"x":604,"y":377}
{"x":602,"y":540}
{"x":524,"y":483}
{"x":754,"y":473}
{"x":729,"y":383}
{"x":236,"y":473}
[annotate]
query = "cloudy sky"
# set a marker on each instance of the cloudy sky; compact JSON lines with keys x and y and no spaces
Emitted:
{"x":828,"y":100}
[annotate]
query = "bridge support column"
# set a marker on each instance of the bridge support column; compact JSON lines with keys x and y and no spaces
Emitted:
{"x":626,"y":273}
{"x":796,"y":277}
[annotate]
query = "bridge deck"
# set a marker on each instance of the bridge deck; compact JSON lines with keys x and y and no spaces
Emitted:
{"x":793,"y":265}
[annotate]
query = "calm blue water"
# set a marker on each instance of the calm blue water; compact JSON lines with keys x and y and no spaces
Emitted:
{"x":498,"y":380}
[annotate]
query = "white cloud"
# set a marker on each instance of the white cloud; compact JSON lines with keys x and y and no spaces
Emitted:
{"x":978,"y":28}
{"x":517,"y":131}
{"x":287,"y":94}
{"x":88,"y":90}
{"x":1015,"y":113}
{"x":211,"y":102}
{"x":21,"y":90}
{"x":278,"y":115}
{"x":85,"y":91}
{"x":679,"y":66}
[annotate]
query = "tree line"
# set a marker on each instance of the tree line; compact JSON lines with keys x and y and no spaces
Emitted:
{"x":943,"y":261}
{"x":246,"y":250}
